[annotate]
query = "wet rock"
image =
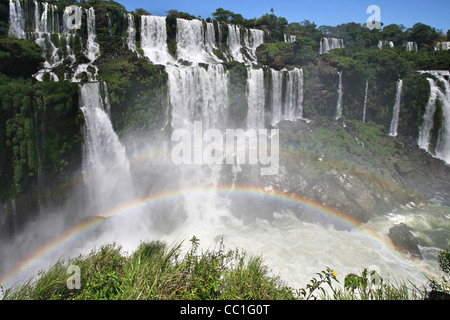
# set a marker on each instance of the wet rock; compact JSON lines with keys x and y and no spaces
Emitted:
{"x":403,"y":240}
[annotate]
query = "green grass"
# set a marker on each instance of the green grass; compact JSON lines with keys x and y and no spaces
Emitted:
{"x":156,"y":271}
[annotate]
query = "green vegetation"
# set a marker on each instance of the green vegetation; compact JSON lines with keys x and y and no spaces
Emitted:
{"x":156,"y":271}
{"x":137,"y":93}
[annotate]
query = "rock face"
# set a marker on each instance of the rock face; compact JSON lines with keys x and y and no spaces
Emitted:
{"x":403,"y":240}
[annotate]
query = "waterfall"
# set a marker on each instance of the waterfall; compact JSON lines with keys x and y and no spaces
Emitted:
{"x":154,"y":39}
{"x":92,"y":51}
{"x":439,"y":90}
{"x":234,"y":42}
{"x":289,"y":38}
{"x":277,"y":95}
{"x":443,"y":142}
{"x":339,"y":100}
{"x":365,"y":101}
{"x":105,"y":166}
{"x":427,"y":120}
{"x":131,"y":33}
{"x":220,"y":39}
{"x":255,"y":98}
{"x":16,"y":20}
{"x":411,"y":46}
{"x":198,"y":94}
{"x":191,"y":41}
{"x":286,"y":96}
{"x":445,"y":45}
{"x":252,"y":39}
{"x":294,"y":95}
{"x":210,"y":38}
{"x":92,"y":47}
{"x":327,"y":44}
{"x":44,"y":27}
{"x":396,"y":111}
{"x":384,"y":43}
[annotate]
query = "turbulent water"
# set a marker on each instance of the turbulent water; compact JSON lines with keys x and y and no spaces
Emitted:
{"x":146,"y":197}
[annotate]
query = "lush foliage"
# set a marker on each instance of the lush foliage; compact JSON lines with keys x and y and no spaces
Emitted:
{"x":19,"y":57}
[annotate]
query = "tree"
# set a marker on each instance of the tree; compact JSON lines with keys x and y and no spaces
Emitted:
{"x":142,"y":12}
{"x":395,"y":33}
{"x":423,"y":35}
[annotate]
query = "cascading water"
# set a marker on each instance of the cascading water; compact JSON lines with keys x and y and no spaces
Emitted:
{"x":106,"y":171}
{"x":191,"y":41}
{"x":384,"y":43}
{"x":327,"y":44}
{"x":339,"y":100}
{"x":16,"y":20}
{"x":365,"y":102}
{"x":197,"y":94}
{"x":287,"y":95}
{"x":154,"y":39}
{"x":252,"y":39}
{"x":396,"y":112}
{"x":277,"y":96}
{"x":289,"y":38}
{"x":411,"y":46}
{"x":439,"y":90}
{"x":234,"y":42}
{"x":131,"y":33}
{"x":45,"y":26}
{"x":255,"y":98}
{"x":445,"y":45}
{"x":92,"y":51}
{"x":427,"y":120}
{"x":296,"y":249}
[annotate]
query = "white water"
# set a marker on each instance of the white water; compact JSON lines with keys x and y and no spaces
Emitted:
{"x":287,"y":95}
{"x":365,"y":102}
{"x":198,"y":94}
{"x":443,"y":143}
{"x":16,"y":20}
{"x":131,"y":33}
{"x":327,"y":44}
{"x":396,"y":111}
{"x":92,"y":47}
{"x":442,"y":45}
{"x":277,"y":96}
{"x":154,"y":39}
{"x":190,"y":41}
{"x":105,"y":165}
{"x":252,"y":39}
{"x":45,"y":25}
{"x":234,"y":42}
{"x":339,"y":99}
{"x":384,"y":43}
{"x":427,"y":120}
{"x":411,"y":46}
{"x":289,"y":38}
{"x":255,"y":98}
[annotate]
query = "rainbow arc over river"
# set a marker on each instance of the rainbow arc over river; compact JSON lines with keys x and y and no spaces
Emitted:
{"x":82,"y":229}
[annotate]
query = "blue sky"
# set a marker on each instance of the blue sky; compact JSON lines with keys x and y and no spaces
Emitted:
{"x":435,"y":13}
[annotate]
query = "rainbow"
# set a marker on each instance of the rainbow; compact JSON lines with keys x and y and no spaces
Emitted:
{"x":78,"y":231}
